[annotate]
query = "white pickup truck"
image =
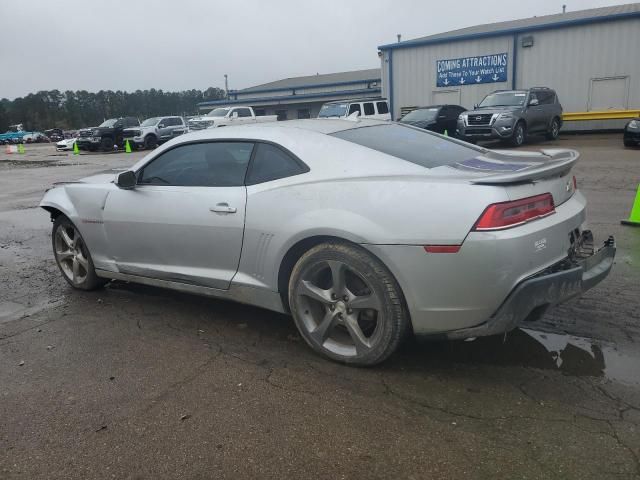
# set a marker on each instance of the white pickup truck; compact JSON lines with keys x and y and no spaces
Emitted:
{"x":225,"y":116}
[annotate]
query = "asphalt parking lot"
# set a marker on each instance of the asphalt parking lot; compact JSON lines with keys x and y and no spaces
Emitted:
{"x":139,"y":382}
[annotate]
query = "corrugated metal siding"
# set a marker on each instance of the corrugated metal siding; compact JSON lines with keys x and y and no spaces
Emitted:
{"x":414,"y":71}
{"x":568,"y":59}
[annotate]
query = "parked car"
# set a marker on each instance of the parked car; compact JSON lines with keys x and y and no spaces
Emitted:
{"x":106,"y":135}
{"x":54,"y":134}
{"x":35,"y":137}
{"x":437,"y":118}
{"x":385,"y":230}
{"x":511,"y":115}
{"x":631,"y":136}
{"x":154,"y":131}
{"x":371,"y":108}
{"x":66,"y":144}
{"x":224,"y":116}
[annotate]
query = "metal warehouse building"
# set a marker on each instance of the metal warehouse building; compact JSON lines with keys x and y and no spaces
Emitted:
{"x":302,"y":97}
{"x":590,"y":57}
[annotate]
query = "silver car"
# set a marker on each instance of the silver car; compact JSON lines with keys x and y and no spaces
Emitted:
{"x":364,"y":231}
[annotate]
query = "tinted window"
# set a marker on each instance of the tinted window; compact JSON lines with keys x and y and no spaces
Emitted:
{"x":354,"y":107}
{"x":369,"y":108}
{"x":243,"y":112}
{"x":382,"y":107}
{"x":213,"y":164}
{"x":165,"y":121}
{"x":414,"y":145}
{"x":545,"y":98}
{"x":270,"y":163}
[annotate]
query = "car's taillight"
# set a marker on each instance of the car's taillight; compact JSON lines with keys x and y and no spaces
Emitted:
{"x":503,"y":215}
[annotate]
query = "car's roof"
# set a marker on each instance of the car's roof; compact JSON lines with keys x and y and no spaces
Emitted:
{"x":356,"y":100}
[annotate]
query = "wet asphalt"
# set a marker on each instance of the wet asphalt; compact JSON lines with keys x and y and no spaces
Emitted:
{"x":139,"y":382}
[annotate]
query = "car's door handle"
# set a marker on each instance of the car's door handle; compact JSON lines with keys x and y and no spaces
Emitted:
{"x":223,"y":208}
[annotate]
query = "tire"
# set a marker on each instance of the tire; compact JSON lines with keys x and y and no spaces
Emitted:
{"x":72,"y":256}
{"x":554,"y":129}
{"x":519,"y":135}
{"x":106,"y":144}
{"x":358,"y":319}
{"x":150,"y":142}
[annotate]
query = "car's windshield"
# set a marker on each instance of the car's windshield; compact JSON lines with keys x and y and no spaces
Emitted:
{"x":218,"y":112}
{"x":421,"y":115}
{"x":411,"y":144}
{"x":333,"y":110}
{"x":149,"y":122}
{"x":109,"y":123}
{"x":503,"y":99}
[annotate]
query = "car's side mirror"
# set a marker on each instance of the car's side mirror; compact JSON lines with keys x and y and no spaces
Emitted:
{"x":475,"y":106}
{"x":161,"y":125}
{"x":126,"y":180}
{"x":534,"y":102}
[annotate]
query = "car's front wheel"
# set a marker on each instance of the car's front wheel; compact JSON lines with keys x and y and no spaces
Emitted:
{"x":72,"y":256}
{"x":519,"y":135}
{"x":347,"y":305}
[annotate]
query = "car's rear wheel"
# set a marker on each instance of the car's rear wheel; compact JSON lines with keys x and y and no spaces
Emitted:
{"x":72,"y":256}
{"x":554,"y":129}
{"x":519,"y":135}
{"x":347,"y":305}
{"x":106,"y":144}
{"x":150,"y":142}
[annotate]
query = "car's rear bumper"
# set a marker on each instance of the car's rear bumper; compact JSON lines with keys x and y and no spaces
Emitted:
{"x":556,"y":284}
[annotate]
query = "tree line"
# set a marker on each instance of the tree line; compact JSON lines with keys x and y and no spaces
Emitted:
{"x":72,"y":110}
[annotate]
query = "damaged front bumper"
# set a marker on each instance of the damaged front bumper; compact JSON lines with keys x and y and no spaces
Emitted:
{"x":583,"y":269}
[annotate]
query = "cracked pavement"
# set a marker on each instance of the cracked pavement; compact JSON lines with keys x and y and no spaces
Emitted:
{"x":138,"y":382}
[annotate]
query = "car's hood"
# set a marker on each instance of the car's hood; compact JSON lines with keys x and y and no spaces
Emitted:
{"x":483,"y":111}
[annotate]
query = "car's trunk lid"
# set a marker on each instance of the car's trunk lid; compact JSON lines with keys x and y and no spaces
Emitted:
{"x":523,"y":173}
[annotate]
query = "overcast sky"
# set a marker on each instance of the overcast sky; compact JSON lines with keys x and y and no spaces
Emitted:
{"x":184,"y":44}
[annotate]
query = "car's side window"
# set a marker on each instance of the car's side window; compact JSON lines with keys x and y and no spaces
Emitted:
{"x":369,"y":108}
{"x":210,"y":164}
{"x":243,"y":112}
{"x":165,"y":121}
{"x":270,"y":163}
{"x":355,"y":107}
{"x":382,"y":107}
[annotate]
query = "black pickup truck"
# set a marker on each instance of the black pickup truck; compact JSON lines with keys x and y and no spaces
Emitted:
{"x":106,"y":135}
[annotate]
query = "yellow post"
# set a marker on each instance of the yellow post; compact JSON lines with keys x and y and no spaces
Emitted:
{"x":21,"y":148}
{"x":127,"y":147}
{"x":76,"y":150}
{"x":634,"y":216}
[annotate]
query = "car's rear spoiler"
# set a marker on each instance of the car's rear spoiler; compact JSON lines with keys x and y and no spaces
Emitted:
{"x":559,"y":162}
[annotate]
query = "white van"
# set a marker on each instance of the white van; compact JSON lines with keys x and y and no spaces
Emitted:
{"x":374,"y":108}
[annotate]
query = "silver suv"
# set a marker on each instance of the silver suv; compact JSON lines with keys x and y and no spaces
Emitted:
{"x":154,"y":131}
{"x":511,"y":115}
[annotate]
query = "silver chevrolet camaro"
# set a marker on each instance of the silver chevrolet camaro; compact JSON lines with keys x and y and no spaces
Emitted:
{"x":364,"y":231}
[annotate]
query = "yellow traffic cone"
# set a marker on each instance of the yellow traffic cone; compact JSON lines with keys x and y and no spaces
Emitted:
{"x":21,"y":148}
{"x":127,"y":147}
{"x":446,"y":132}
{"x":634,"y":216}
{"x":76,"y":150}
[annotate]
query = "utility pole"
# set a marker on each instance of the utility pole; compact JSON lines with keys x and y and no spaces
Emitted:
{"x":226,"y":85}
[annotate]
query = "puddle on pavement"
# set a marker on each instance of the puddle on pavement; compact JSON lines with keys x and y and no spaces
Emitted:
{"x":571,"y":355}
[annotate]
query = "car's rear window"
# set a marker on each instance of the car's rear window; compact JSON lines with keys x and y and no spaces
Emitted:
{"x":411,"y":144}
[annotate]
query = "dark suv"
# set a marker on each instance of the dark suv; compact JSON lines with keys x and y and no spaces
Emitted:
{"x":106,"y":135}
{"x":511,"y":115}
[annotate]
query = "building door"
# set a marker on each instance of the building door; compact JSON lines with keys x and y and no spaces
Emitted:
{"x":609,"y":93}
{"x":446,"y":97}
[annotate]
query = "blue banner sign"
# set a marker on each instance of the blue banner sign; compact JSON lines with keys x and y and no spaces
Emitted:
{"x":472,"y":70}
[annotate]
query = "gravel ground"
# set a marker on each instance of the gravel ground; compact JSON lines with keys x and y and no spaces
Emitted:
{"x":138,"y":382}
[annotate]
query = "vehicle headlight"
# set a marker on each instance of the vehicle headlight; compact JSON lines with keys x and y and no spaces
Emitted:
{"x":505,"y":116}
{"x":96,"y":133}
{"x":634,"y":124}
